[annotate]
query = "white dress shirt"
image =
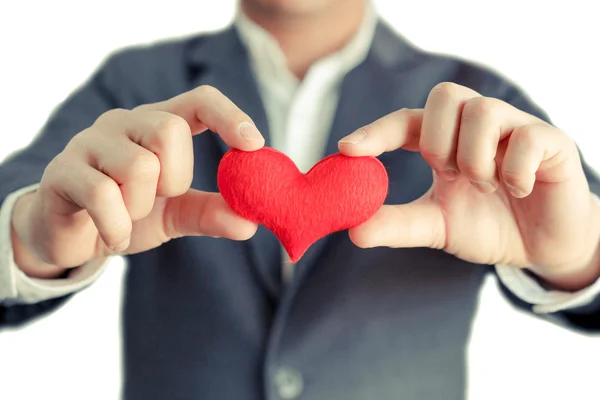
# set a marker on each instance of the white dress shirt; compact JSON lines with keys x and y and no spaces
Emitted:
{"x":300,"y":114}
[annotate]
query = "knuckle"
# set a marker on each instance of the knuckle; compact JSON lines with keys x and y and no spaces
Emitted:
{"x":80,"y":141}
{"x":435,"y":157}
{"x":145,"y":107}
{"x":480,"y":107}
{"x":116,"y":114}
{"x":58,"y":162}
{"x":171,"y":123}
{"x":102,"y":192}
{"x":513,"y":178}
{"x":473,"y":171}
{"x":405,"y":112}
{"x":56,"y":168}
{"x":46,"y":187}
{"x":169,"y":130}
{"x":206,"y":90}
{"x":445,"y":90}
{"x":525,"y":135}
{"x":175,"y":187}
{"x":145,"y":165}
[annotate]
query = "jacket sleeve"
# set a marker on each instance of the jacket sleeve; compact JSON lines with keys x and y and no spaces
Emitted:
{"x":584,"y":318}
{"x":98,"y":95}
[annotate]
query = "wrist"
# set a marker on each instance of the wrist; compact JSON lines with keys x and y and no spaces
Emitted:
{"x":577,"y":275}
{"x":572,"y":280}
{"x":23,"y":255}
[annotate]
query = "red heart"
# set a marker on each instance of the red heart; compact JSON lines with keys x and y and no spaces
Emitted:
{"x":266,"y":187}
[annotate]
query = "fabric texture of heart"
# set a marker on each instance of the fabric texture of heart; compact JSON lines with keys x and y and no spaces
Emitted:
{"x":266,"y":187}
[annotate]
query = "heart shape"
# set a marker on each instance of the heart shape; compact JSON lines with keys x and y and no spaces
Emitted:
{"x":266,"y":187}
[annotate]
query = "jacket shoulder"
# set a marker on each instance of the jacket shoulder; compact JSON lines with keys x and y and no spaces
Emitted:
{"x":152,"y":72}
{"x":422,"y":70}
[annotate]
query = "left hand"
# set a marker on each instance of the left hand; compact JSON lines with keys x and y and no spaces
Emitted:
{"x":508,"y":188}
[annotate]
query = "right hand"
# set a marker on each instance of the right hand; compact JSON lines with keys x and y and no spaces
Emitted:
{"x":123,"y":185}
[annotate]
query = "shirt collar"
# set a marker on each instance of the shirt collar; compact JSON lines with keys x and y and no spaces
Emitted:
{"x":269,"y":62}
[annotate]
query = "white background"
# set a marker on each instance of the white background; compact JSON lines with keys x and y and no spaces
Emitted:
{"x":50,"y":47}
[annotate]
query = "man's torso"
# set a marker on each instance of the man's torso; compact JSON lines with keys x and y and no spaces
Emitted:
{"x":210,"y":318}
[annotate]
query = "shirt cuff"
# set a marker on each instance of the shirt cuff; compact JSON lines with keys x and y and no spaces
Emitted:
{"x":18,"y":288}
{"x":544,"y":301}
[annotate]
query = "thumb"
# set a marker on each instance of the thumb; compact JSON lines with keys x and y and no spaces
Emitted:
{"x":198,"y":213}
{"x":417,"y":224}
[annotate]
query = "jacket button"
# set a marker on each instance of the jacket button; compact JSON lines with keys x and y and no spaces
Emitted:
{"x":288,"y":383}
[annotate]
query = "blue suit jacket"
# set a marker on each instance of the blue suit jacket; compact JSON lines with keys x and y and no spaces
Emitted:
{"x":209,"y":319}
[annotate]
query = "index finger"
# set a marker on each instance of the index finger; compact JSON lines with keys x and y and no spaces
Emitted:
{"x":373,"y":139}
{"x":207,"y":108}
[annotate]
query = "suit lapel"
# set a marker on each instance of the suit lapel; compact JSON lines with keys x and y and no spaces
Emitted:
{"x":224,"y":64}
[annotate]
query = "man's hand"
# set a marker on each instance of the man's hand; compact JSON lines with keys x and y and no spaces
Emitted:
{"x":123,"y":185}
{"x":508,"y":188}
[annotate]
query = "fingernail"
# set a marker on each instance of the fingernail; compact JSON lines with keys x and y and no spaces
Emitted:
{"x":518,"y":193}
{"x":124,"y":245}
{"x":249,"y":132}
{"x":484,"y":187}
{"x":354,"y":138}
{"x":450,"y":173}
